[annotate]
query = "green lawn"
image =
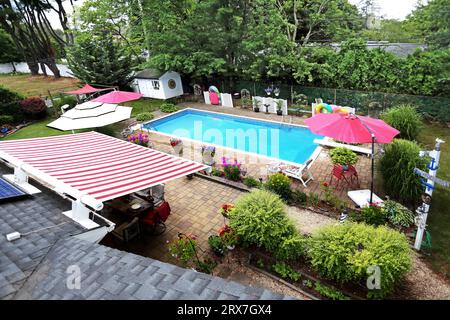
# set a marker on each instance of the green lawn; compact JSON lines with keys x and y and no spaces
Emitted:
{"x":143,"y":105}
{"x":28,"y":85}
{"x":37,"y":129}
{"x":439,"y":218}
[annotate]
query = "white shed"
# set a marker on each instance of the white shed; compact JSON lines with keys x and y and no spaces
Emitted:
{"x":158,"y":85}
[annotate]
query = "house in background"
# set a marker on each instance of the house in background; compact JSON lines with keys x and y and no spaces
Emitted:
{"x":158,"y":85}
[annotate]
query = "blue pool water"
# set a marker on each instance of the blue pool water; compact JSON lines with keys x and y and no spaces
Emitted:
{"x":282,"y":141}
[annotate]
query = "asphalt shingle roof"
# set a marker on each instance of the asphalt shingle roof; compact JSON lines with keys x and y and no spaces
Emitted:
{"x":19,"y":258}
{"x":108,"y":273}
{"x":149,"y":74}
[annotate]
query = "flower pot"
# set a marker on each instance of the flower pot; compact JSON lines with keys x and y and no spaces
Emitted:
{"x":345,"y":167}
{"x":231,"y":247}
{"x":178,"y":149}
{"x":208,"y":158}
{"x":279,"y":112}
{"x":256,"y":109}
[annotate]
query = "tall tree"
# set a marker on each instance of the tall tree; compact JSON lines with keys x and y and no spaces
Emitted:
{"x":9,"y":52}
{"x":100,"y":59}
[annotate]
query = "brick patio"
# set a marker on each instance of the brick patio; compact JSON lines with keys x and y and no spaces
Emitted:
{"x":195,"y":203}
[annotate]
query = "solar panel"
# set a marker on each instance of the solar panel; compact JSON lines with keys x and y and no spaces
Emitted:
{"x":9,"y":191}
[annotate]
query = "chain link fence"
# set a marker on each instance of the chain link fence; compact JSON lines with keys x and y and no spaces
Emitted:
{"x":368,"y":103}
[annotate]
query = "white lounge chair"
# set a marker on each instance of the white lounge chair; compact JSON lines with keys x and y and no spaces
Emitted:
{"x":296,"y":172}
{"x":329,"y":143}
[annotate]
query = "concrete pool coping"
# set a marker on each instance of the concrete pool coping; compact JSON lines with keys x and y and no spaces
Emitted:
{"x":313,"y":155}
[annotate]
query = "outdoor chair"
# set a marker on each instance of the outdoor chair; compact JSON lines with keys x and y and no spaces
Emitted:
{"x":338,"y":174}
{"x":127,"y":231}
{"x":296,"y":172}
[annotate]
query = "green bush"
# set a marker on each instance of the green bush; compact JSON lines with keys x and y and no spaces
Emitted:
{"x":259,"y":218}
{"x":398,"y":215}
{"x":286,"y":272}
{"x":216,"y":244}
{"x":145,"y":116}
{"x":252,"y":182}
{"x":9,"y":104}
{"x":405,"y":119}
{"x":34,"y":107}
{"x":6,"y":120}
{"x":397,"y":168}
{"x":168,"y":107}
{"x":344,"y":253}
{"x":291,"y":248}
{"x":343,"y":156}
{"x":330,"y":293}
{"x":298,"y":197}
{"x":59,"y":101}
{"x":373,"y":215}
{"x":280,"y":184}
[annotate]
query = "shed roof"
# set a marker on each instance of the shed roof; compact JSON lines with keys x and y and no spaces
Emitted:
{"x":149,"y":74}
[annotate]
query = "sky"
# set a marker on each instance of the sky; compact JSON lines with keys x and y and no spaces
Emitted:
{"x":390,"y":9}
{"x":393,"y":9}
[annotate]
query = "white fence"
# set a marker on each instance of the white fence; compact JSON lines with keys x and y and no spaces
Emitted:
{"x":23,"y":67}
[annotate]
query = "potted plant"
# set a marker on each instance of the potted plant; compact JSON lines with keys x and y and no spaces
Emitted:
{"x":344,"y":157}
{"x":269,"y":90}
{"x":245,"y":101}
{"x":279,"y":103}
{"x":256,"y":104}
{"x":177,"y":145}
{"x":216,"y":244}
{"x":208,"y":153}
{"x":139,"y":138}
{"x":228,"y":236}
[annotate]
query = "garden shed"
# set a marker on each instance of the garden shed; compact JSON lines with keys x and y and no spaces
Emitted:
{"x":158,"y":85}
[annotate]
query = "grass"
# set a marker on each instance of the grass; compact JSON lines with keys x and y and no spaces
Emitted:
{"x":439,"y":217}
{"x":36,"y":130}
{"x":28,"y":85}
{"x":143,"y":105}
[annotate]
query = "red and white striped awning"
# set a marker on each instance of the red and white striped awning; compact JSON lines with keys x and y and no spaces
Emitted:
{"x":100,"y":166}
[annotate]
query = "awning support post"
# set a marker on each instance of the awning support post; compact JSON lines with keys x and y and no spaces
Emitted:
{"x":80,"y":214}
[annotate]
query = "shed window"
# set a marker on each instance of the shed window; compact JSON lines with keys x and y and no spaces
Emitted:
{"x":155,"y":84}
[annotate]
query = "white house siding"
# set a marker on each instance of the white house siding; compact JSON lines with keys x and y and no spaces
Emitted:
{"x":145,"y":87}
{"x":23,"y":67}
{"x":171,"y":93}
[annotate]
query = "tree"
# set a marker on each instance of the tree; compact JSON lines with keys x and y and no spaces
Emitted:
{"x":432,"y":23}
{"x":9,"y":53}
{"x":27,"y":24}
{"x":99,"y":58}
{"x":119,"y":17}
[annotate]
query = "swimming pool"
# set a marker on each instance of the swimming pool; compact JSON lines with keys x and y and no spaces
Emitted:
{"x":287,"y":142}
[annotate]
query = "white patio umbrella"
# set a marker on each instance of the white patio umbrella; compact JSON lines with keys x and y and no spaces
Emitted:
{"x":91,"y":115}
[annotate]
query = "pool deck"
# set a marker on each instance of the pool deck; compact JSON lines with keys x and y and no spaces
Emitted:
{"x":256,"y":166}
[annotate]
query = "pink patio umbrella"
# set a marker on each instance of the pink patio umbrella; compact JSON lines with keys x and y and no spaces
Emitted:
{"x":86,"y":89}
{"x":118,"y":97}
{"x":350,"y":128}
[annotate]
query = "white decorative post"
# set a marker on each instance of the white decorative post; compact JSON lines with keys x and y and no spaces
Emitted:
{"x":422,"y":211}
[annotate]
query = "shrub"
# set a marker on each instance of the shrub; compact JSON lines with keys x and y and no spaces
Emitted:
{"x":313,"y":199}
{"x":343,"y":156}
{"x":298,"y":197}
{"x":252,"y":182}
{"x":34,"y":106}
{"x":397,"y":214}
{"x":259,"y":218}
{"x":6,"y":120}
{"x":216,"y":172}
{"x":397,"y":168}
{"x":216,"y":245}
{"x":168,"y":107}
{"x":330,"y":293}
{"x":405,"y":119}
{"x":291,"y":248}
{"x":145,"y":116}
{"x":373,"y":215}
{"x":9,"y":104}
{"x":280,"y":184}
{"x":344,"y":253}
{"x":231,"y":169}
{"x":286,"y":272}
{"x":107,"y":130}
{"x":58,"y":102}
